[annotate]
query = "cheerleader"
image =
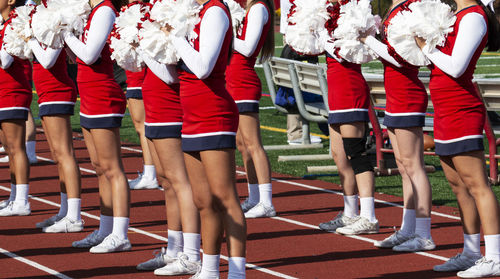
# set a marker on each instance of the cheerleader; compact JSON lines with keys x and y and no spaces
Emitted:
{"x":210,"y":122}
{"x":56,"y":99}
{"x":244,"y":85}
{"x":459,"y":116}
{"x":404,"y":118}
{"x":348,"y":98}
{"x":15,"y":96}
{"x":101,"y":111}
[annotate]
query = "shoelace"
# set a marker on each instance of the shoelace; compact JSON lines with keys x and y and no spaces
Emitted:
{"x":158,"y":253}
{"x":483,"y":260}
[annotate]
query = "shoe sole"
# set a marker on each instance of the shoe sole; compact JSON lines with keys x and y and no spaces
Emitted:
{"x":22,"y":214}
{"x":264,"y":216}
{"x":419,"y":250}
{"x":68,"y":231}
{"x":128,"y":248}
{"x":356,"y":233}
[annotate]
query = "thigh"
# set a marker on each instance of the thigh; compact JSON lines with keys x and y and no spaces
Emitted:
{"x":107,"y":146}
{"x":353,"y":130}
{"x":58,"y":131}
{"x":170,"y":155}
{"x":249,"y":127}
{"x":14,"y":132}
{"x":136,"y":108}
{"x":202,"y":195}
{"x":470,"y":166}
{"x":220,"y":168}
{"x":89,"y":142}
{"x":410,"y":142}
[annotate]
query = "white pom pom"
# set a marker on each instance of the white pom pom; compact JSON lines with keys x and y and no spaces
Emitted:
{"x":432,"y":20}
{"x":356,"y":18}
{"x":126,"y":38}
{"x":17,"y":31}
{"x":237,"y":14}
{"x":305,"y":24}
{"x":154,"y":43}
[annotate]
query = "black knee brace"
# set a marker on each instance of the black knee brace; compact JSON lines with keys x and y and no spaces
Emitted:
{"x":355,"y":150}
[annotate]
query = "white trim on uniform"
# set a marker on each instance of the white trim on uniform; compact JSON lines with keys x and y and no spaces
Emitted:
{"x":405,"y":113}
{"x":347,"y":110}
{"x":56,"y":103}
{"x":209,"y":134}
{"x":247,"y":101}
{"x":12,"y":108}
{"x":459,"y":139}
{"x":132,"y":88}
{"x":101,"y":115}
{"x":163,"y":124}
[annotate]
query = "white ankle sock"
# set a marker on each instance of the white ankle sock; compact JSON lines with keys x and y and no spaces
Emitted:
{"x":253,"y":193}
{"x":74,"y":209}
{"x":472,"y":245}
{"x":492,"y":247}
{"x":192,"y":246}
{"x":351,"y":207}
{"x":368,"y":209}
{"x":210,"y":266}
{"x":120,"y":227}
{"x":63,"y":210}
{"x":30,"y":148}
{"x":266,"y":193}
{"x":22,"y":191}
{"x":149,"y":171}
{"x":12,"y":196}
{"x":175,"y":243}
{"x":105,"y":225}
{"x":236,"y":268}
{"x":423,"y":227}
{"x":409,"y":222}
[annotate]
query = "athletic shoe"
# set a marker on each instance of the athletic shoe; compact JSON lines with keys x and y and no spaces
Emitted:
{"x":90,"y":240}
{"x":2,"y":149}
{"x":246,"y":205}
{"x":198,"y":274}
{"x":16,"y":209}
{"x":415,"y":244}
{"x":458,"y":263}
{"x":314,"y":139}
{"x":394,"y":239}
{"x":261,"y":210}
{"x":4,"y":203}
{"x":4,"y":159}
{"x":143,"y":182}
{"x":65,"y":225}
{"x":482,"y":268}
{"x":360,"y":226}
{"x":48,"y":222}
{"x":339,"y":221}
{"x":160,"y":260}
{"x":181,"y":266}
{"x":110,"y":244}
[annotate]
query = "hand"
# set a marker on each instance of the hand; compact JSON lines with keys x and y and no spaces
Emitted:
{"x":26,"y":39}
{"x":420,"y":42}
{"x":166,"y":29}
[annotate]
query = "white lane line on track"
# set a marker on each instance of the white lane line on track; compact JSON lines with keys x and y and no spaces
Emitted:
{"x":34,"y":264}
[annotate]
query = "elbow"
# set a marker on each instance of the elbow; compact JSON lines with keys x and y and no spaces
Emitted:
{"x":456,"y":74}
{"x":202,"y":74}
{"x":89,"y":60}
{"x":47,"y":64}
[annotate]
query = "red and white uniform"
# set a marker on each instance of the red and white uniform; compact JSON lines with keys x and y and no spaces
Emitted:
{"x":210,"y":115}
{"x":56,"y":90}
{"x":242,"y":81}
{"x":15,"y":89}
{"x":406,"y":96}
{"x":161,"y":101}
{"x":102,"y":100}
{"x":459,"y":112}
{"x":348,"y":92}
{"x":134,"y":83}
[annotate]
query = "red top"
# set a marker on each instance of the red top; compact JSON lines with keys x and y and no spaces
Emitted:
{"x":54,"y":80}
{"x":135,"y":79}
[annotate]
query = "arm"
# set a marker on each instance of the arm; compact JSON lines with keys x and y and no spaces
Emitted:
{"x":167,"y":73}
{"x":257,"y":18}
{"x":470,"y":33}
{"x":46,"y":57}
{"x":331,"y":50}
{"x":380,"y":49}
{"x":214,"y":26}
{"x":100,"y":27}
{"x":285,"y":6}
{"x":5,"y":59}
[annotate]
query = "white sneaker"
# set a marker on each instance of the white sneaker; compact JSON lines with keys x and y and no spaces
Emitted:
{"x":90,"y":240}
{"x":160,"y":260}
{"x":458,"y":263}
{"x":261,"y":210}
{"x":415,"y":244}
{"x":482,"y":268}
{"x":111,"y":243}
{"x":4,"y":159}
{"x":394,"y":239}
{"x":4,"y":203}
{"x":246,"y":205}
{"x":143,"y":182}
{"x":314,"y":139}
{"x":197,"y":275}
{"x":360,"y":226}
{"x":339,"y":221}
{"x":2,"y":149}
{"x":16,"y":209}
{"x":181,"y":266}
{"x":48,"y":222}
{"x":65,"y":225}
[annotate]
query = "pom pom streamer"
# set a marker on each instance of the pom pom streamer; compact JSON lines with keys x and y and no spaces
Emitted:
{"x":16,"y":32}
{"x":60,"y":16}
{"x":181,"y":16}
{"x":429,"y":19}
{"x":355,"y":19}
{"x":237,"y":14}
{"x":125,"y":38}
{"x":305,"y":24}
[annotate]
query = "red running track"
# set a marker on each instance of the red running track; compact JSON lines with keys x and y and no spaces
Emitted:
{"x":287,"y":246}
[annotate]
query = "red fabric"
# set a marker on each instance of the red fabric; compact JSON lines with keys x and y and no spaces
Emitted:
{"x":161,"y":101}
{"x":135,"y":79}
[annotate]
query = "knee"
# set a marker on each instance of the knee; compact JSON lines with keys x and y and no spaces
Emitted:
{"x":98,"y":169}
{"x":355,"y":150}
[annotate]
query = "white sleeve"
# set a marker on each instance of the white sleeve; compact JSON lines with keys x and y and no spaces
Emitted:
{"x":167,"y":73}
{"x":214,"y":26}
{"x":5,"y":59}
{"x":331,"y":50}
{"x":46,"y":57}
{"x":100,"y":27}
{"x":471,"y":31}
{"x":257,"y":18}
{"x":381,"y":49}
{"x":285,"y":6}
